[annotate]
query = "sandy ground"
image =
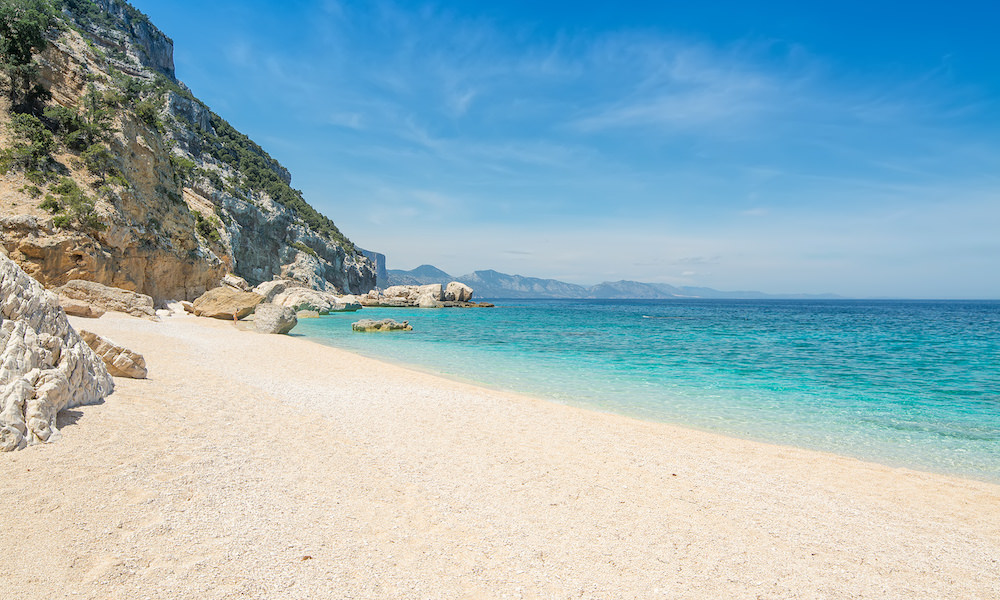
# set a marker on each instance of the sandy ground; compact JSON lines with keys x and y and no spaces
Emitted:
{"x":253,"y":466}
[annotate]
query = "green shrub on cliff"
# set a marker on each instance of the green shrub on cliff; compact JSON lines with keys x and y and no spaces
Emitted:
{"x":22,"y":33}
{"x":208,"y":228}
{"x":71,"y":206}
{"x":31,"y":150}
{"x":100,"y":161}
{"x":301,"y":246}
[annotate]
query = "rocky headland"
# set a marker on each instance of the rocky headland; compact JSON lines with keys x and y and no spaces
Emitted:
{"x":116,"y":174}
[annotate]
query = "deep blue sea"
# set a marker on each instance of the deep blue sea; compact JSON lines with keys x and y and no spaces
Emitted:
{"x":904,"y":383}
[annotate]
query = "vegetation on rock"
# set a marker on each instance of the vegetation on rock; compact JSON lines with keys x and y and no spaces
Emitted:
{"x":23,"y":24}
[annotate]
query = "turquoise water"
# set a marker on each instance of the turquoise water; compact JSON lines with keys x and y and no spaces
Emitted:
{"x":904,"y":383}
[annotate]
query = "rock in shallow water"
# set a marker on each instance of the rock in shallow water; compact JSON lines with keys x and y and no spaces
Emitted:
{"x":383,"y":325}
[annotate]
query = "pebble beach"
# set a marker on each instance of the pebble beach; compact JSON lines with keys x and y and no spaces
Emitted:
{"x":269,"y":466}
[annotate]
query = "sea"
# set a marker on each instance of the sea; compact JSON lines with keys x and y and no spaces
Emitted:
{"x":913,"y":384}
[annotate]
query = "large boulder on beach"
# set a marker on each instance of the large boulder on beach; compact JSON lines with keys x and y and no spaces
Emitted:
{"x":119,"y":360}
{"x":108,"y":298}
{"x":457,"y":292}
{"x":273,"y":318}
{"x":45,"y":367}
{"x":367,"y":325}
{"x":223,"y":302}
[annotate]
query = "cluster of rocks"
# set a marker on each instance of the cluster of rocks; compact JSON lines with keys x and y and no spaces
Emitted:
{"x":434,"y":295}
{"x":274,"y":306}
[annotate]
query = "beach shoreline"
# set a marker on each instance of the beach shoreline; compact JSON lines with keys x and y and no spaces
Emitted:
{"x":273,"y":466}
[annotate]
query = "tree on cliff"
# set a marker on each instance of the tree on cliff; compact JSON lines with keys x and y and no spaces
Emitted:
{"x":22,"y":33}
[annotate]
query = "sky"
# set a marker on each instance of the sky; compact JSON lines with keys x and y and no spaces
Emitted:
{"x":845,"y":147}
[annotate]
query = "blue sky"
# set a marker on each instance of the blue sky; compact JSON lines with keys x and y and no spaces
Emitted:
{"x":847,"y":147}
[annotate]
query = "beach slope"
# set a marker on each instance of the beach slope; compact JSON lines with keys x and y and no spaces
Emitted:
{"x":257,"y":466}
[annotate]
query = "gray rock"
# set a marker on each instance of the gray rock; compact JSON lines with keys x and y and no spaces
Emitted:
{"x":119,"y":360}
{"x":45,"y":367}
{"x":272,"y":318}
{"x":367,"y":325}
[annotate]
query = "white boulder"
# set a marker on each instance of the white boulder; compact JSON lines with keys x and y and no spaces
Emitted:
{"x":457,"y":292}
{"x":45,"y":367}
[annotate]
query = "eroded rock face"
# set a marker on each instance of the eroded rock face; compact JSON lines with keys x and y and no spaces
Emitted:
{"x":109,"y":298}
{"x":225,"y":302}
{"x":119,"y":360}
{"x":45,"y":366}
{"x":272,"y":318}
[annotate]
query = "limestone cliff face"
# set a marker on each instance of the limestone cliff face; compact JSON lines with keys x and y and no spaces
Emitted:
{"x":195,"y":198}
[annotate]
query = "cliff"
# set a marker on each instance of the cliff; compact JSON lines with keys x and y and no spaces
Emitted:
{"x":138,"y":184}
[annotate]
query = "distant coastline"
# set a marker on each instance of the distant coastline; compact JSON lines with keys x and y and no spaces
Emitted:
{"x":494,"y":284}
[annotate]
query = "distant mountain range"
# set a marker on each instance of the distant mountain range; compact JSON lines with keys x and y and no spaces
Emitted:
{"x":493,"y":284}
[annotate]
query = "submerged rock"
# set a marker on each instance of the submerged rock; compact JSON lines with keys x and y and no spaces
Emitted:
{"x":367,"y":325}
{"x":45,"y":366}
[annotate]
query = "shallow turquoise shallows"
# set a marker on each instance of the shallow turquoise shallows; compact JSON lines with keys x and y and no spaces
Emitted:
{"x":905,"y":383}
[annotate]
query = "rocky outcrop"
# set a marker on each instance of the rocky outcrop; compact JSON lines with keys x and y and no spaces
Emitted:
{"x":109,"y":298}
{"x":179,"y":212}
{"x":432,"y":295}
{"x":225,"y":302}
{"x":272,"y":318}
{"x":147,"y":246}
{"x":119,"y":360}
{"x":138,"y":44}
{"x":44,"y":365}
{"x":369,"y":325}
